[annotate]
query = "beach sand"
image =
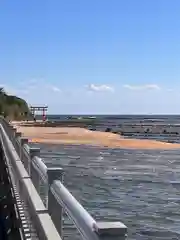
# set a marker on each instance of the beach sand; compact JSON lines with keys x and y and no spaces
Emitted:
{"x":65,"y":135}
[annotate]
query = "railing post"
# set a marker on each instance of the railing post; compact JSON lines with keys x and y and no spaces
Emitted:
{"x":54,"y":208}
{"x":17,"y":142}
{"x":33,"y":152}
{"x":22,"y":142}
{"x":110,"y":230}
{"x":13,"y":132}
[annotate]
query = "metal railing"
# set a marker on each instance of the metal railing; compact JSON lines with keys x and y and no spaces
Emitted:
{"x":29,"y":172}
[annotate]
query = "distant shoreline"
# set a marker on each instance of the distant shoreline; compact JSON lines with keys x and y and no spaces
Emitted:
{"x":77,"y":135}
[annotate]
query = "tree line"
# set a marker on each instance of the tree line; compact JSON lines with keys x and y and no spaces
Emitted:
{"x":13,"y":107}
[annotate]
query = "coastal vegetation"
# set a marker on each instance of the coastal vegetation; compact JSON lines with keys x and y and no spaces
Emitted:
{"x":13,"y":107}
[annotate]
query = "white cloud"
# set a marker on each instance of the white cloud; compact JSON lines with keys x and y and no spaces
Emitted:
{"x":100,"y":88}
{"x":98,"y":98}
{"x":55,"y":89}
{"x":142,"y":87}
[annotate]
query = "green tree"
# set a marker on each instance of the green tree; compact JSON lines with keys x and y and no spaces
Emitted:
{"x":11,"y":106}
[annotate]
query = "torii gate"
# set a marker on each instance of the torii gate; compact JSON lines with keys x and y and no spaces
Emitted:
{"x":42,"y":109}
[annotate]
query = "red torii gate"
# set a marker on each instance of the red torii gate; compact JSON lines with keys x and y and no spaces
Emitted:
{"x":42,"y":109}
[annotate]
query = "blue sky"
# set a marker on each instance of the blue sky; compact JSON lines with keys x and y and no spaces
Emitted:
{"x":93,"y":56}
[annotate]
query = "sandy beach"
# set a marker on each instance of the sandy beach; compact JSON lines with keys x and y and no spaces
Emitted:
{"x":62,"y":135}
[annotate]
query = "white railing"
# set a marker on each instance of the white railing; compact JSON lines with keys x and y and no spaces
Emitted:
{"x":56,"y":197}
{"x":31,"y":209}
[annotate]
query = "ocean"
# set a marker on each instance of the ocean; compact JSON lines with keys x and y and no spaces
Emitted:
{"x":141,"y":188}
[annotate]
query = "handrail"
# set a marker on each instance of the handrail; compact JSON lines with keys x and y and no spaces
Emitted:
{"x":84,"y":222}
{"x":40,"y":167}
{"x":81,"y":218}
{"x":58,"y":196}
